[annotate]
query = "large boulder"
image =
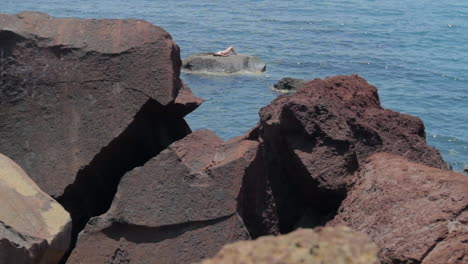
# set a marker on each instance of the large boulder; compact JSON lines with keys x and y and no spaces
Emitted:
{"x":317,"y":138}
{"x":34,"y":228}
{"x":338,"y":245}
{"x":86,"y":100}
{"x":180,"y":207}
{"x":71,"y":86}
{"x":208,"y":63}
{"x":414,"y":213}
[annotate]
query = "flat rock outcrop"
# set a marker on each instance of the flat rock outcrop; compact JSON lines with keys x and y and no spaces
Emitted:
{"x":338,"y":245}
{"x":180,"y":207}
{"x":34,"y":228}
{"x":86,"y":100}
{"x":288,"y":84}
{"x":414,"y":213}
{"x":316,"y":139}
{"x":208,"y":63}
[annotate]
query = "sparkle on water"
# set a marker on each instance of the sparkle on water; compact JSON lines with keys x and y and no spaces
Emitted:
{"x":415,"y":52}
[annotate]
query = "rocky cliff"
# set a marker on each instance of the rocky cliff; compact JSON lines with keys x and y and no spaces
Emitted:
{"x":94,"y":111}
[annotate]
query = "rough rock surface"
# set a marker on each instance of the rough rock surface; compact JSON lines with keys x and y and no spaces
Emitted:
{"x":34,"y":228}
{"x":71,"y":86}
{"x":208,"y":63}
{"x":86,"y":100}
{"x":180,"y":207}
{"x":338,"y":245}
{"x":315,"y":140}
{"x":289,"y":84}
{"x":414,"y":213}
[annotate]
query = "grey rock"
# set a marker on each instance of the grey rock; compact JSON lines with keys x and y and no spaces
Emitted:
{"x":289,"y":84}
{"x":208,"y":63}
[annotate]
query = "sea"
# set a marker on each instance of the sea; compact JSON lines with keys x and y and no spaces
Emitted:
{"x":415,"y":52}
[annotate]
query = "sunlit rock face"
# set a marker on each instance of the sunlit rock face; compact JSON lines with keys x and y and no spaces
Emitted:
{"x":34,"y":228}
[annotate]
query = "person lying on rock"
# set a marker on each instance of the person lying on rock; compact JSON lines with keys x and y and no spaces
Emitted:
{"x":226,"y":52}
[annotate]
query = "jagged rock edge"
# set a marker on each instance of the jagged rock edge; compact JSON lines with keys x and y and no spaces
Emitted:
{"x":441,"y":239}
{"x":73,"y":191}
{"x":119,"y":230}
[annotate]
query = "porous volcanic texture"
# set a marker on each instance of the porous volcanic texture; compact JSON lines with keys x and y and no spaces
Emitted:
{"x":315,"y":140}
{"x":86,"y":100}
{"x":71,"y":86}
{"x":414,"y":213}
{"x":337,"y":245}
{"x":180,"y":207}
{"x":34,"y":228}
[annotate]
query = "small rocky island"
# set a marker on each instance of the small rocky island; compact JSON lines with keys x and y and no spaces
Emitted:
{"x":208,"y":63}
{"x":92,"y":130}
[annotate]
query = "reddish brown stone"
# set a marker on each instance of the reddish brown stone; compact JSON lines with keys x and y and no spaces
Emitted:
{"x":414,"y":213}
{"x":86,"y":100}
{"x":71,"y":86}
{"x":315,"y":140}
{"x":184,"y":243}
{"x":186,"y":195}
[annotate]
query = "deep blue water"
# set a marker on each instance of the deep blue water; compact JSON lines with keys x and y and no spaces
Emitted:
{"x":415,"y":52}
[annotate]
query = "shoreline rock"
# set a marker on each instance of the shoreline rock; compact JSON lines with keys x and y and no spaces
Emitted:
{"x":94,"y":111}
{"x":316,"y":139}
{"x":208,"y":63}
{"x":188,"y":193}
{"x":65,"y":79}
{"x":288,"y":84}
{"x":86,"y":100}
{"x":411,"y":211}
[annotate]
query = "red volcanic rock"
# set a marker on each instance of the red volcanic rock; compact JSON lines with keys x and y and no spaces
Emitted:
{"x":414,"y":213}
{"x":180,"y":207}
{"x":316,"y":139}
{"x":86,"y":100}
{"x":70,"y":86}
{"x":184,"y":243}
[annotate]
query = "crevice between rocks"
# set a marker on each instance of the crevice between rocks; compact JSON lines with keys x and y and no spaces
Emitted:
{"x":255,"y":201}
{"x":153,"y":129}
{"x":278,"y":194}
{"x":301,"y":200}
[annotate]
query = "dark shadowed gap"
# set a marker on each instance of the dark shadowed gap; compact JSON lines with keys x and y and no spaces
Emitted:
{"x":8,"y":41}
{"x":12,"y":86}
{"x":301,"y":200}
{"x":151,"y":131}
{"x":255,"y":201}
